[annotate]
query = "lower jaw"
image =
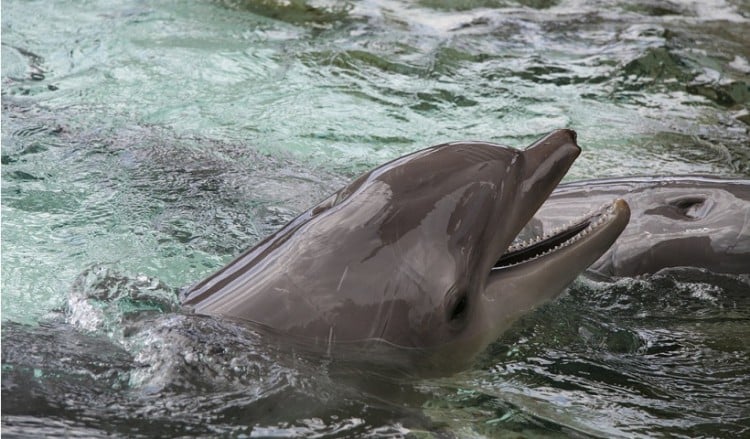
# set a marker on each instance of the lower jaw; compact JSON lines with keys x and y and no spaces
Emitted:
{"x":574,"y":232}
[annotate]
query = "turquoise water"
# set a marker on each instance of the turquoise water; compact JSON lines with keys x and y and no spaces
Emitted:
{"x":162,"y":139}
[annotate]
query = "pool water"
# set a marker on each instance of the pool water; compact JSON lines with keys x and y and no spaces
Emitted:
{"x":146,"y":144}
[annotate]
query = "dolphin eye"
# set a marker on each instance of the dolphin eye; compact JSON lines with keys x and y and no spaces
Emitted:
{"x":459,"y":308}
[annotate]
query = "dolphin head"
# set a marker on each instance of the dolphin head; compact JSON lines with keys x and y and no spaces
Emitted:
{"x":418,"y":254}
{"x":690,"y":221}
{"x":480,"y":278}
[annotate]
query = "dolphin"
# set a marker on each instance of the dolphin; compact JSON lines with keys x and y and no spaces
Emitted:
{"x":677,"y":221}
{"x":414,"y":256}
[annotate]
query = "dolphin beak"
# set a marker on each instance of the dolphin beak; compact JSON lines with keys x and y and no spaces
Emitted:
{"x":531,"y":272}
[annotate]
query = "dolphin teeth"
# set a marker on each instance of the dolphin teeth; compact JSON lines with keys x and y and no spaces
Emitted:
{"x":521,"y":251}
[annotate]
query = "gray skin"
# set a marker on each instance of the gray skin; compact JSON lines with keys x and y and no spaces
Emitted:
{"x":677,"y":221}
{"x":402,"y":258}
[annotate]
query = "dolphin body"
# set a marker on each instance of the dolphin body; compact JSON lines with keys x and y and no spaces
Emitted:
{"x":677,"y":221}
{"x":409,"y":257}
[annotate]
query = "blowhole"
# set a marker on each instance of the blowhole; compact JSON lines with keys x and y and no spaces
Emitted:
{"x":692,"y":207}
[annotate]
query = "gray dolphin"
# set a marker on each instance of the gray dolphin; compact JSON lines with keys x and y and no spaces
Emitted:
{"x":677,"y":221}
{"x":403,"y":256}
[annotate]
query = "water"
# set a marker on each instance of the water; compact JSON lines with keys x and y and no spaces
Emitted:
{"x":143,"y":145}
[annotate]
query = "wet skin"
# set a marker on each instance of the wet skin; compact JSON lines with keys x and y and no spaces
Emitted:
{"x":403,"y":257}
{"x":678,"y":221}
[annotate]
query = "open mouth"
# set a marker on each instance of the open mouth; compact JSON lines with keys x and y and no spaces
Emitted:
{"x":559,"y":238}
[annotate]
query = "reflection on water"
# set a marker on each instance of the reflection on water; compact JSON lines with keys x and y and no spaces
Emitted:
{"x":165,"y":138}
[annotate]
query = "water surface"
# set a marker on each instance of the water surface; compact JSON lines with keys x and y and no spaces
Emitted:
{"x":144,"y":145}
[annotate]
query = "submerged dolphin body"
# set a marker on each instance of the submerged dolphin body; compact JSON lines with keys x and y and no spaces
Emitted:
{"x":677,"y":221}
{"x":403,"y":257}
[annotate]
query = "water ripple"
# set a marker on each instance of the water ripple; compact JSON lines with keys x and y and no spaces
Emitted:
{"x":164,"y":139}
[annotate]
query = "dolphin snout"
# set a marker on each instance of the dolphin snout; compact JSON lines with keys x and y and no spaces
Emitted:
{"x":552,"y":154}
{"x":545,"y":163}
